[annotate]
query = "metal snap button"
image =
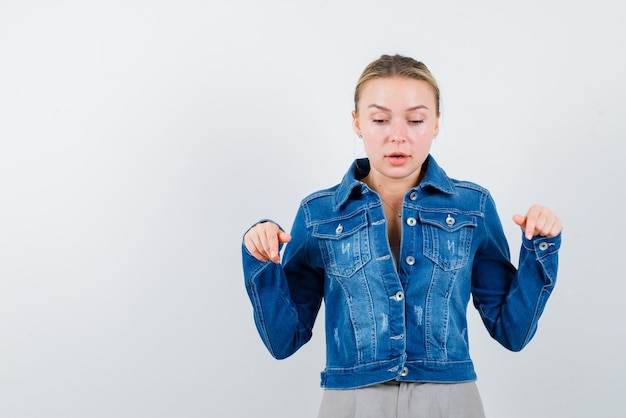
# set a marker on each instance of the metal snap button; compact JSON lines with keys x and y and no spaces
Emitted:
{"x":398,"y":296}
{"x":411,"y":221}
{"x":404,"y":372}
{"x":543,"y":246}
{"x":339,"y":229}
{"x":410,"y":260}
{"x":413,"y":196}
{"x":450,"y":220}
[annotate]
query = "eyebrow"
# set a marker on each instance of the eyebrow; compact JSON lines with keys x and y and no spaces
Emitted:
{"x":386,"y":109}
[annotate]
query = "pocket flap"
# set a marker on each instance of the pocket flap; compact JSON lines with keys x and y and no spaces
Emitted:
{"x":448,"y":221}
{"x":340,"y":228}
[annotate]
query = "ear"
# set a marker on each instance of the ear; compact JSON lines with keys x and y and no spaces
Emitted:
{"x":355,"y":124}
{"x":436,"y":132}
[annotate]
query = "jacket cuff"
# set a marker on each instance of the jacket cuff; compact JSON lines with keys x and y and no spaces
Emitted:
{"x":545,"y":250}
{"x":542,"y":246}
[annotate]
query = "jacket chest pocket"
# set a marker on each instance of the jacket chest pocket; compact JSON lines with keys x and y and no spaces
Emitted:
{"x":344,"y":244}
{"x":447,"y":238}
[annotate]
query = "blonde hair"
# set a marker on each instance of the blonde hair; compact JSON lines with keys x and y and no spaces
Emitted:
{"x":396,"y":66}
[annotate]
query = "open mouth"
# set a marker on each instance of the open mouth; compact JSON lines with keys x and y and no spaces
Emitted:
{"x":397,"y":158}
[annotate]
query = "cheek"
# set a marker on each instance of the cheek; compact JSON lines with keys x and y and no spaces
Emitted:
{"x":371,"y":146}
{"x":436,"y":128}
{"x":428,"y":130}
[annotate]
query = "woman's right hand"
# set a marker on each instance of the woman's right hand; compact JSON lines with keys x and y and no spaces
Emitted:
{"x":262,"y":241}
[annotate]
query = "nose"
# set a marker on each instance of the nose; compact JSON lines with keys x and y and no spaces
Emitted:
{"x":399,"y":132}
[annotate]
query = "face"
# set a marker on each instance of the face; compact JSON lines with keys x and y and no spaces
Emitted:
{"x":397,"y":119}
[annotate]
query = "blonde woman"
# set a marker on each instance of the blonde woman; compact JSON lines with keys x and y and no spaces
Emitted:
{"x":395,"y":250}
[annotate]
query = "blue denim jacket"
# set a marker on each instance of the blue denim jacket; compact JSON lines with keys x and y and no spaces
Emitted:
{"x":406,"y":323}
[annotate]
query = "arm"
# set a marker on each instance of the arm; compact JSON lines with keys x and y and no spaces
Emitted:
{"x":511,"y":301}
{"x":286,"y":296}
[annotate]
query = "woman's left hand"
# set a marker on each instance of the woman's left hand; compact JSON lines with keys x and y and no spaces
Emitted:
{"x":539,"y":220}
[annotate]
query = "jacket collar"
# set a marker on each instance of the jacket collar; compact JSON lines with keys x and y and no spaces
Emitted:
{"x":435,"y":177}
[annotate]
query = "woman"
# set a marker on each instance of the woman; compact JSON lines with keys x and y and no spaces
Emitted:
{"x":395,"y":250}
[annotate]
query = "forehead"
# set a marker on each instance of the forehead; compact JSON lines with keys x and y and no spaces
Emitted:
{"x":387,"y":91}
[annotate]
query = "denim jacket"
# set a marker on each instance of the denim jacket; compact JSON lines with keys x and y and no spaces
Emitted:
{"x":405,"y":322}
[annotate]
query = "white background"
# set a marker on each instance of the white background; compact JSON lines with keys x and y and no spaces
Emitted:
{"x":140,"y":139}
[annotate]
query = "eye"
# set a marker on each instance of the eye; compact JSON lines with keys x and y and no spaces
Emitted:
{"x":378,"y":121}
{"x":416,"y":122}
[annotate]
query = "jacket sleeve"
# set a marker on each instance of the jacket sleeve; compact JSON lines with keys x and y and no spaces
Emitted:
{"x":510,"y":301}
{"x":285,"y":297}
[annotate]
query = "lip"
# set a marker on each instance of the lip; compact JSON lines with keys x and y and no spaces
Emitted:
{"x":397,"y":158}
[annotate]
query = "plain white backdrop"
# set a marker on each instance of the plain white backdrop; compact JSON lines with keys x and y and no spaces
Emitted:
{"x":139,"y":140}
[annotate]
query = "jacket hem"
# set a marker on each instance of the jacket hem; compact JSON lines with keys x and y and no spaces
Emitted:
{"x":398,"y":369}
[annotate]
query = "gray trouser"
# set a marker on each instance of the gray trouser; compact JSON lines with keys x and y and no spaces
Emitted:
{"x":404,"y":400}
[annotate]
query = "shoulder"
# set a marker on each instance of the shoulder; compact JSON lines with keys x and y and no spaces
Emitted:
{"x":320,"y":196}
{"x":327,"y":204}
{"x":461,"y":195}
{"x":319,"y":205}
{"x":465,"y":187}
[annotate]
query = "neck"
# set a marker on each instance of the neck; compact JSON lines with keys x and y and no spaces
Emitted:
{"x":393,"y":189}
